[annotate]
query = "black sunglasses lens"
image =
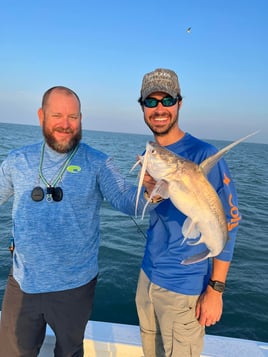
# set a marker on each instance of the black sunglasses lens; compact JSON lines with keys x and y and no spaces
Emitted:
{"x":150,"y":102}
{"x":37,"y":194}
{"x":168,"y":101}
{"x":57,"y":194}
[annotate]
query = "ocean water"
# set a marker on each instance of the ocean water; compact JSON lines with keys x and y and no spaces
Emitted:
{"x":245,"y":312}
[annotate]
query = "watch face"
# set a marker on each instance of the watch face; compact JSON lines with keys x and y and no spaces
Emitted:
{"x":217,"y":285}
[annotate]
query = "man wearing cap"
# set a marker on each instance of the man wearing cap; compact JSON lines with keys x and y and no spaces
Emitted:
{"x":175,"y":302}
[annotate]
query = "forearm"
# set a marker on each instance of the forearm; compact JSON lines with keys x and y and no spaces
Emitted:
{"x":220,"y":270}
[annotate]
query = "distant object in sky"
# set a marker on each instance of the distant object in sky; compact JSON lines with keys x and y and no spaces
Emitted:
{"x":188,"y":30}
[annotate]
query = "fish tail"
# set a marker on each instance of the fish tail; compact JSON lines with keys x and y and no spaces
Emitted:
{"x":197,"y":258}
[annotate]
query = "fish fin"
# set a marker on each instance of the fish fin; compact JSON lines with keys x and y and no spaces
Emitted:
{"x":189,"y":229}
{"x":197,"y":258}
{"x":195,"y":242}
{"x":161,"y":189}
{"x":208,"y":163}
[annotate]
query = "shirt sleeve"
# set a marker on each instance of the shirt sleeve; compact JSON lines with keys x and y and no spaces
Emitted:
{"x":221,"y":179}
{"x":118,"y":191}
{"x":6,"y":185}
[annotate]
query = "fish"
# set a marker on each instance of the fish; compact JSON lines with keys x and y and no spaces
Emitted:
{"x":185,"y":183}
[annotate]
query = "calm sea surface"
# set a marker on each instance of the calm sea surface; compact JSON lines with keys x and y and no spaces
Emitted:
{"x":246,"y":298}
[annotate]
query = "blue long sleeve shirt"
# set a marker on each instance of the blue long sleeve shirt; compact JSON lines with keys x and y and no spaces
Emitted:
{"x":164,"y":250}
{"x":57,"y":243}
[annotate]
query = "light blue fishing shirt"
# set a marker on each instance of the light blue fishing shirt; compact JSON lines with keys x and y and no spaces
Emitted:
{"x":57,"y":243}
{"x":165,"y":245}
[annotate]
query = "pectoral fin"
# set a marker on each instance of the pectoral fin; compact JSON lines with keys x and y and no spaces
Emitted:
{"x":190,"y":229}
{"x":160,"y":189}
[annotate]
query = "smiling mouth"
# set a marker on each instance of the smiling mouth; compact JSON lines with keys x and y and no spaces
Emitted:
{"x":63,"y":131}
{"x":160,"y":119}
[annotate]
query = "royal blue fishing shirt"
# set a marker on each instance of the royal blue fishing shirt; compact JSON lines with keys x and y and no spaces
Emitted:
{"x":164,"y":250}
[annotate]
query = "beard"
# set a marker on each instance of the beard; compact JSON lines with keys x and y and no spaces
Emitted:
{"x":161,"y":130}
{"x":64,"y":145}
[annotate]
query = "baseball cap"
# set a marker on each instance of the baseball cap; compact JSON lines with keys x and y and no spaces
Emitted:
{"x":160,"y":80}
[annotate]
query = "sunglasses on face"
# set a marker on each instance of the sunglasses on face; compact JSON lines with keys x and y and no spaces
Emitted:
{"x":166,"y":102}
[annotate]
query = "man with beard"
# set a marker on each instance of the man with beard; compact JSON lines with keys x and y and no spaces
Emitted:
{"x":58,"y":187}
{"x":175,"y":301}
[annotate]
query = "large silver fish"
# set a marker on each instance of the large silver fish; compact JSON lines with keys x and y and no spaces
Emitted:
{"x":186,"y":184}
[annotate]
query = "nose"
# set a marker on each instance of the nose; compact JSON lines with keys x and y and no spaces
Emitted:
{"x":65,"y":122}
{"x":160,"y":104}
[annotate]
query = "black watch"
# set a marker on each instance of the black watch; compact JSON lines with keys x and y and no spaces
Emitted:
{"x":217,"y":285}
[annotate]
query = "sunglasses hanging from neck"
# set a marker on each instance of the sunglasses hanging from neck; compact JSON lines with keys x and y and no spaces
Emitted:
{"x":53,"y":193}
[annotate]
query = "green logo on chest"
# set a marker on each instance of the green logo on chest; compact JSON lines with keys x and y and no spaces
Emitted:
{"x":73,"y":169}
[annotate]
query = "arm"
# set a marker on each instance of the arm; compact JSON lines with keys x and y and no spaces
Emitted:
{"x":120,"y":193}
{"x":6,"y":185}
{"x":210,"y":304}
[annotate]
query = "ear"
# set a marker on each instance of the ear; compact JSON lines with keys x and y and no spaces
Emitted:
{"x":180,"y":104}
{"x":40,"y":114}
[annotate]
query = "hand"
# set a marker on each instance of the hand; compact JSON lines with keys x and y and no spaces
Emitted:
{"x":148,"y":183}
{"x":209,"y":307}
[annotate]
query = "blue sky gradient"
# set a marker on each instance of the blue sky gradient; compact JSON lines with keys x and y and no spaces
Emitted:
{"x":102,"y":50}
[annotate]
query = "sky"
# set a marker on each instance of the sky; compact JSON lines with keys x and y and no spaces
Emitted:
{"x":102,"y":49}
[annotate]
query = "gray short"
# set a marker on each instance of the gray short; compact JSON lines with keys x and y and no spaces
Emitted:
{"x":24,"y":318}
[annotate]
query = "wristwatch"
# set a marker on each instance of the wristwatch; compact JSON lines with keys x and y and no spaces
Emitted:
{"x":217,"y":285}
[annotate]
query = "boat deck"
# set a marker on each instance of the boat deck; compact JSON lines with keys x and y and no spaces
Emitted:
{"x":103,"y":339}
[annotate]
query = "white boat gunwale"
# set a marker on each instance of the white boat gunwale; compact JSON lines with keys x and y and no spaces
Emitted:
{"x":106,"y":339}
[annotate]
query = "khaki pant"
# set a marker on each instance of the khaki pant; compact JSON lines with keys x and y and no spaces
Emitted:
{"x":168,"y":324}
